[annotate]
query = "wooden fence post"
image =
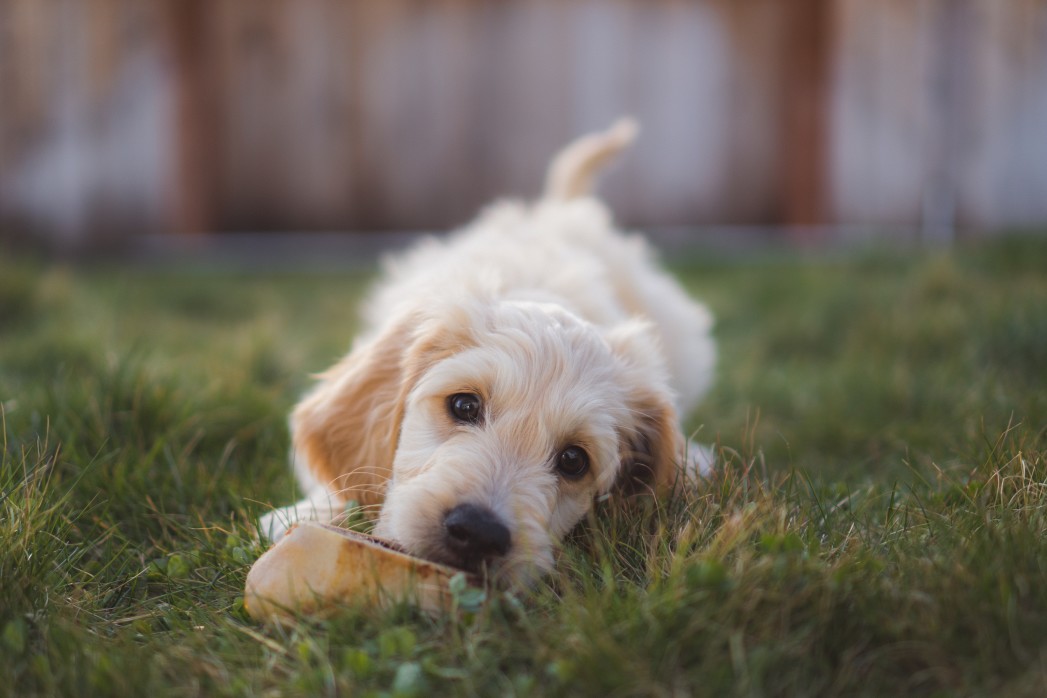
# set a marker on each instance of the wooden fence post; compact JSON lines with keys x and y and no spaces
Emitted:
{"x":805,"y":136}
{"x":192,"y":198}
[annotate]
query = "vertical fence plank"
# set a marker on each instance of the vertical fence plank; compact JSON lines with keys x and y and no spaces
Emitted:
{"x":193,"y":179}
{"x":807,"y":60}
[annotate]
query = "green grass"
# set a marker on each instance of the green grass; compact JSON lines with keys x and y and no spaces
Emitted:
{"x":878,"y":526}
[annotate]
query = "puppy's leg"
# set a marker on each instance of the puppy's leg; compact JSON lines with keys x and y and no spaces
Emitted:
{"x":318,"y":506}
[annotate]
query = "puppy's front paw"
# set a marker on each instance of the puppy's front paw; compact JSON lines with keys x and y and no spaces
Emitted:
{"x":274,"y":525}
{"x":319,"y":506}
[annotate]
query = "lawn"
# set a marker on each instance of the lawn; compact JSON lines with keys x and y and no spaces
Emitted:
{"x":877,"y":526}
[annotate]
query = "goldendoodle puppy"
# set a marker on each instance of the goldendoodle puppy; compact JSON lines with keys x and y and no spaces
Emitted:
{"x":507,"y":377}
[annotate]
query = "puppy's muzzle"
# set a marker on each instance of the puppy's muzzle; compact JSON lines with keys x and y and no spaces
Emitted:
{"x":474,"y":535}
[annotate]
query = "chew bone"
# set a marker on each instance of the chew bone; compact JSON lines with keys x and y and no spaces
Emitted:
{"x":315,"y":567}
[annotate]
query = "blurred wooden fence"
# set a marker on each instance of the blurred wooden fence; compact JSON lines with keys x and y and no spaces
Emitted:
{"x":128,"y":116}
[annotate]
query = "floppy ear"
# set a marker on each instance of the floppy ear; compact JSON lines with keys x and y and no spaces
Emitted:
{"x":345,"y":431}
{"x":650,"y":444}
{"x":651,"y":448}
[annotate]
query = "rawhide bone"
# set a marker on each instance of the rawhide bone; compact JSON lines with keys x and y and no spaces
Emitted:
{"x":315,"y":567}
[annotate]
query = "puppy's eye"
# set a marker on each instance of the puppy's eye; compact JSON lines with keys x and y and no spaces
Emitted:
{"x":573,"y":462}
{"x":465,"y":407}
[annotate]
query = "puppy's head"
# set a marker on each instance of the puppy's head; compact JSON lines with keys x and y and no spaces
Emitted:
{"x":501,"y":423}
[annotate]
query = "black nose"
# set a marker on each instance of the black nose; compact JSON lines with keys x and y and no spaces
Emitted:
{"x":475,"y":534}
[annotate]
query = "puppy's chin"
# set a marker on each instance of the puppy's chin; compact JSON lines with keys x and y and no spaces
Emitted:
{"x":522,"y":571}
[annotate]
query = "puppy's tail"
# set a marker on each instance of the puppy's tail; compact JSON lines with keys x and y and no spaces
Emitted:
{"x":573,"y":171}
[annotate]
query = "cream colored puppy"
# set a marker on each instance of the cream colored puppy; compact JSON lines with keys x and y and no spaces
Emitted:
{"x":507,"y":377}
